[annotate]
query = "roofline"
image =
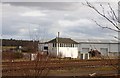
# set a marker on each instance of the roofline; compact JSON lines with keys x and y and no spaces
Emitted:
{"x":96,"y":43}
{"x":75,"y":42}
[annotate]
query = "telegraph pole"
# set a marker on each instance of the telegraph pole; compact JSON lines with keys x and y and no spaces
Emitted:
{"x":58,"y":43}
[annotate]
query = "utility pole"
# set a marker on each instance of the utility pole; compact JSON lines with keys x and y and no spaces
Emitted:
{"x":58,"y":42}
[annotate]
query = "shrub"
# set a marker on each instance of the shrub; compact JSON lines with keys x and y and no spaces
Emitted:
{"x":18,"y":55}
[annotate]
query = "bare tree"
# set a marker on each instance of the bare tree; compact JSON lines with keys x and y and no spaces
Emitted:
{"x":111,"y":16}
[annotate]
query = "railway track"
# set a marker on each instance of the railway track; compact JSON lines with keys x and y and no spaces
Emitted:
{"x":33,"y":67}
{"x":53,"y":64}
{"x":63,"y":61}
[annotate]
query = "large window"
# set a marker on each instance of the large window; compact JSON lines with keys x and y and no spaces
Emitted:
{"x":45,"y":47}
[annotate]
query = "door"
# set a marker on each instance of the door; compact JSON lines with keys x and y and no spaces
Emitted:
{"x":86,"y":56}
{"x":81,"y":56}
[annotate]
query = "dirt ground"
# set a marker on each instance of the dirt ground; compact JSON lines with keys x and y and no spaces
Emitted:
{"x":72,"y":68}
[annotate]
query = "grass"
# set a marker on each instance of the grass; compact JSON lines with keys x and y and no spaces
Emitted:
{"x":82,"y":71}
{"x":77,"y":70}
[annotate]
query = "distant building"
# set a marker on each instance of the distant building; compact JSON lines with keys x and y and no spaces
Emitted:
{"x":107,"y":48}
{"x":80,"y":48}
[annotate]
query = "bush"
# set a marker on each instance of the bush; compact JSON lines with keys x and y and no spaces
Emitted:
{"x":18,"y":55}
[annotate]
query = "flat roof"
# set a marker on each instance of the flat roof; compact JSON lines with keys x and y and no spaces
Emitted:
{"x":96,"y":41}
{"x":100,"y":41}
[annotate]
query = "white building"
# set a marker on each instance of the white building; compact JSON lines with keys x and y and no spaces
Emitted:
{"x":107,"y":48}
{"x":80,"y":47}
{"x":62,"y":47}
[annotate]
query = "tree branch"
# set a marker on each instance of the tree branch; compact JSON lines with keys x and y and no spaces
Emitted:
{"x":115,"y":37}
{"x":104,"y":16}
{"x":104,"y":27}
{"x":113,"y":12}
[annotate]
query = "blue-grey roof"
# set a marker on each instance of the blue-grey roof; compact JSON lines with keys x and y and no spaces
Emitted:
{"x":95,"y":41}
{"x":89,"y":40}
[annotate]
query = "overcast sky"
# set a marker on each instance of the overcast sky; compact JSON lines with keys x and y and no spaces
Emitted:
{"x":42,"y":20}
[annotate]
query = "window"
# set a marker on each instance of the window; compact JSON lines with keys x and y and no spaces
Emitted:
{"x":86,"y":56}
{"x":45,"y":48}
{"x":69,"y":45}
{"x":81,"y":56}
{"x":64,"y":45}
{"x":73,"y":45}
{"x":54,"y":44}
{"x":60,"y":45}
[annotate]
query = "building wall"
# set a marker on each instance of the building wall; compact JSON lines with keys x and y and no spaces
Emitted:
{"x":113,"y":47}
{"x":68,"y":52}
{"x":106,"y":49}
{"x":41,"y":47}
{"x":52,"y":50}
{"x":63,"y":51}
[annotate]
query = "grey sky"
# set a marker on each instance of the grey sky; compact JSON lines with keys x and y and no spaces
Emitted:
{"x":36,"y":20}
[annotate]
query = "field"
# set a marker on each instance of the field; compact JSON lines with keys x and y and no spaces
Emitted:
{"x":62,"y":67}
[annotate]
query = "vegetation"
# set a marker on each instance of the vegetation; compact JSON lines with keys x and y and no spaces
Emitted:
{"x":11,"y":55}
{"x":18,"y":55}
